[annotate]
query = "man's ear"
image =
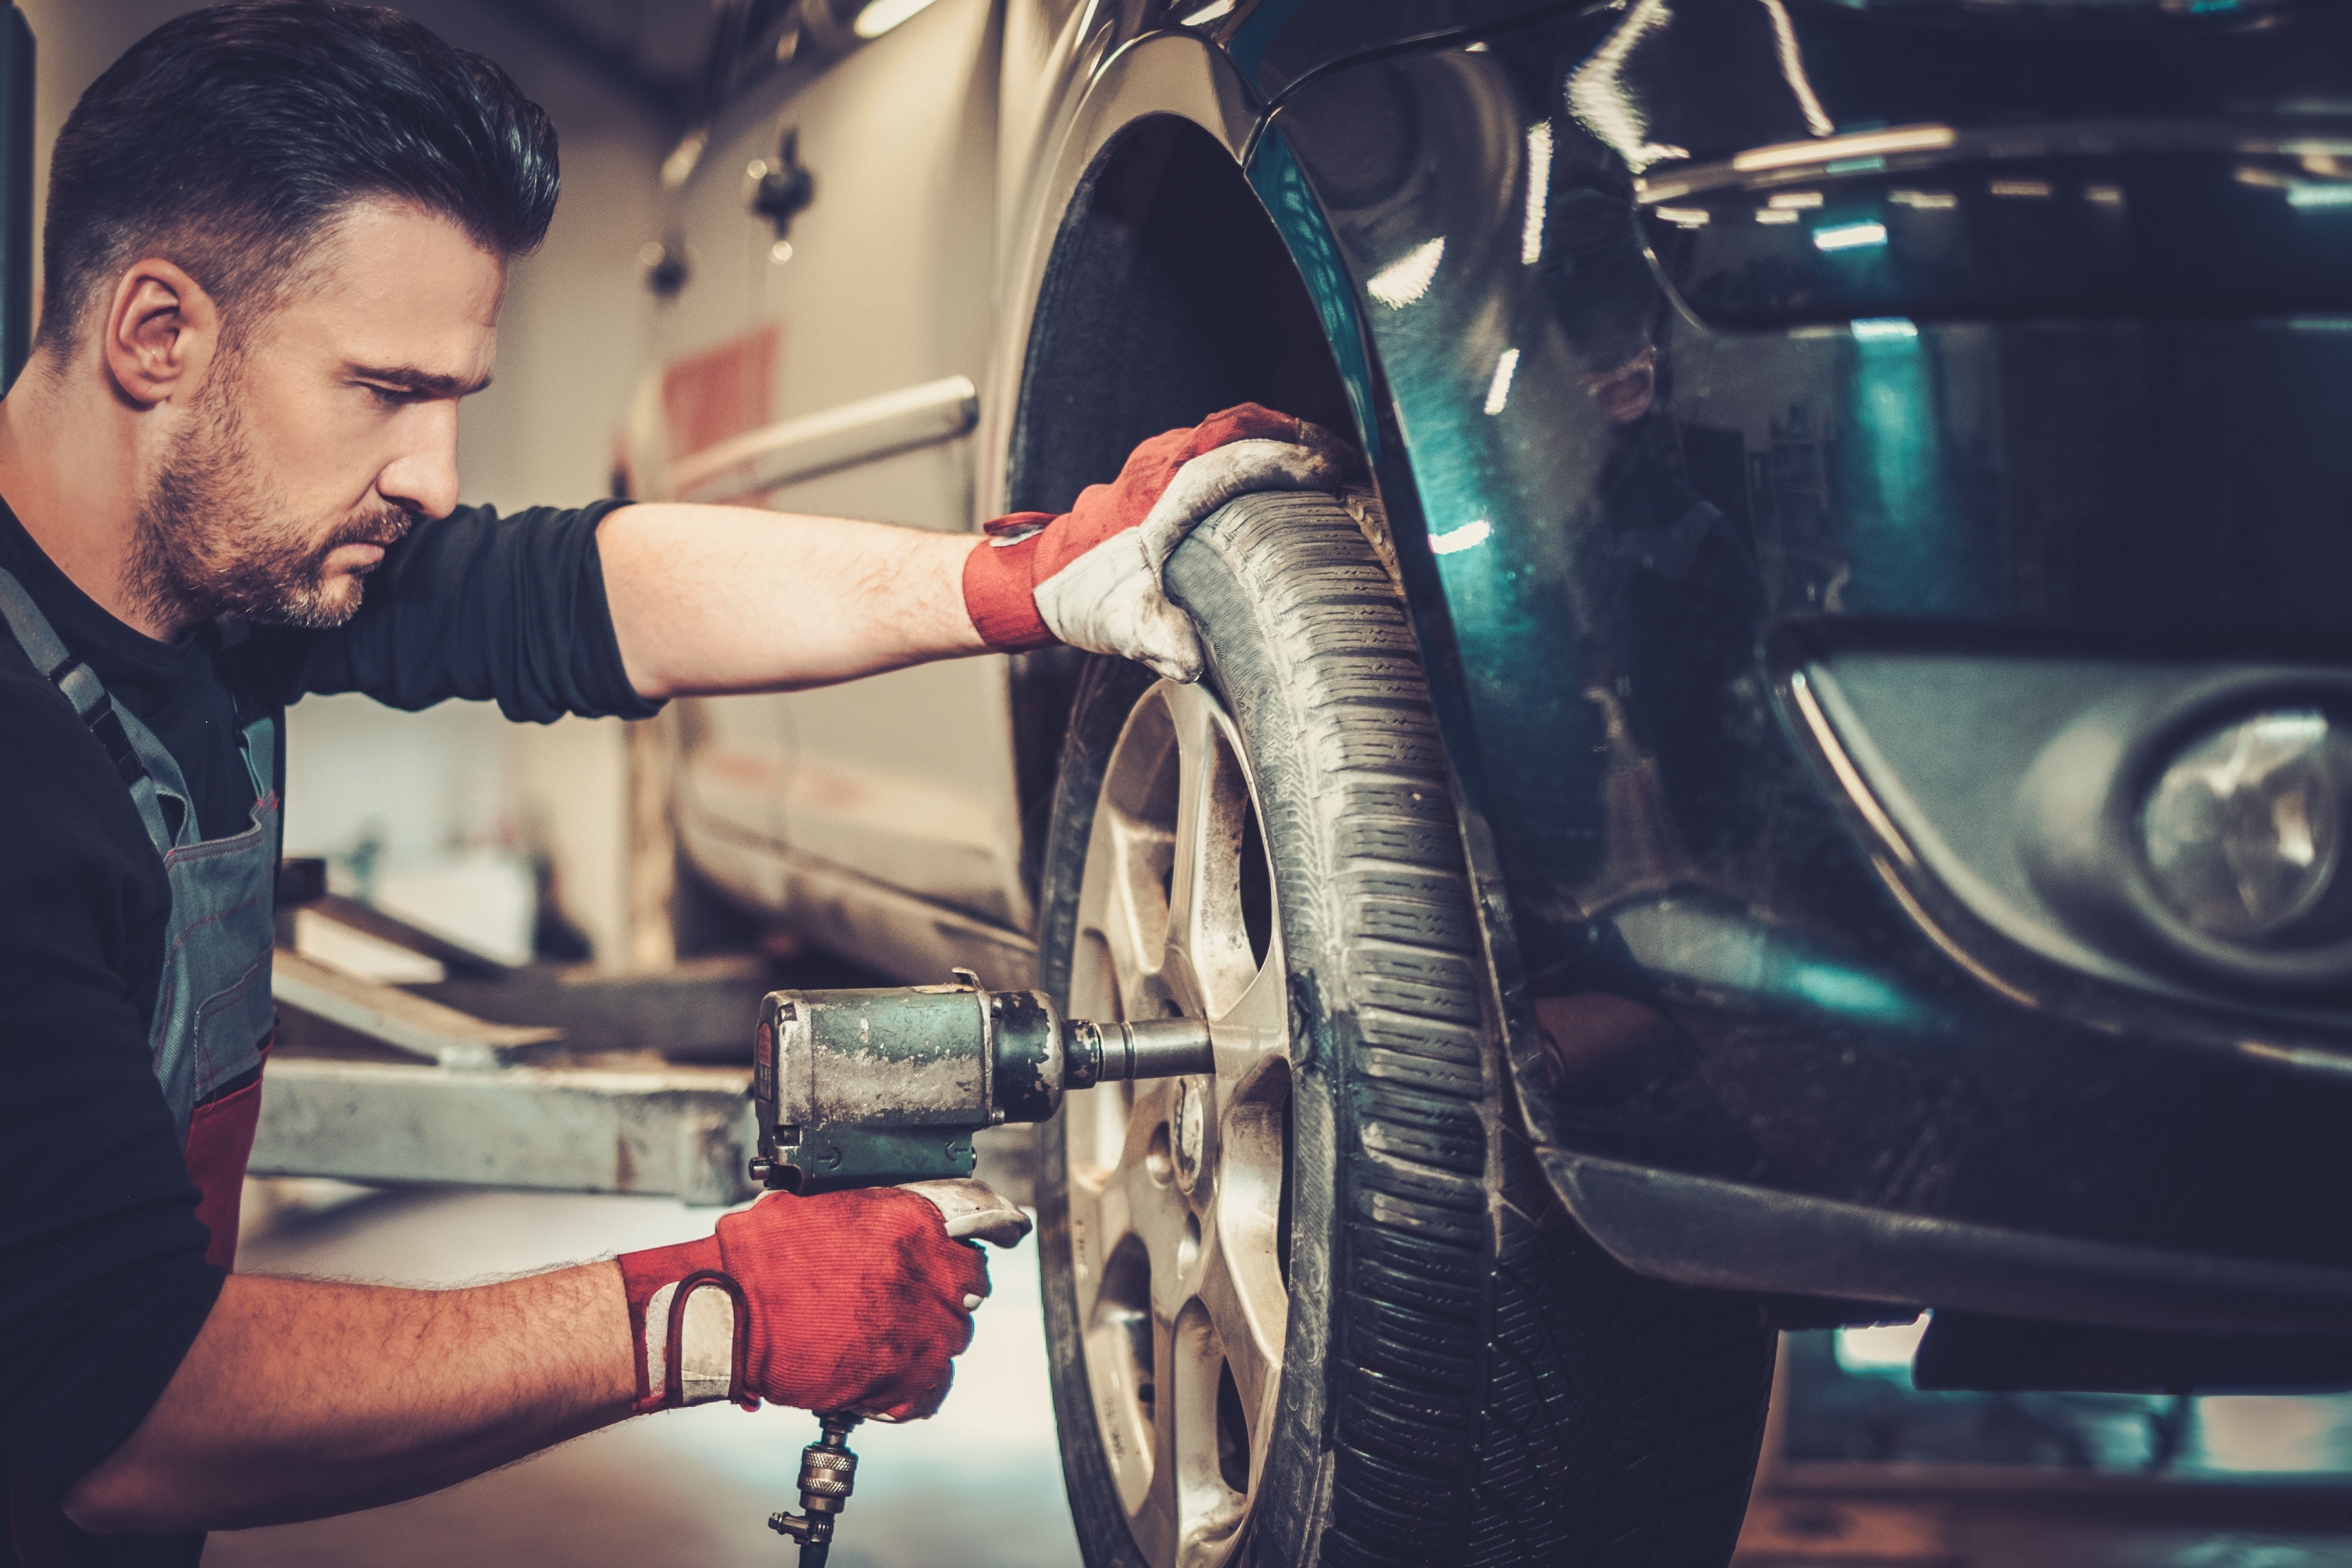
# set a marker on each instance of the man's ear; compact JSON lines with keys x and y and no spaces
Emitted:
{"x":160,"y":332}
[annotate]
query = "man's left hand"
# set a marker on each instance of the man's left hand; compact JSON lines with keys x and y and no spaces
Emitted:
{"x":1091,"y":577}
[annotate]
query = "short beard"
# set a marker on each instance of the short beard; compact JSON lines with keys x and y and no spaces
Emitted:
{"x":215,"y":538}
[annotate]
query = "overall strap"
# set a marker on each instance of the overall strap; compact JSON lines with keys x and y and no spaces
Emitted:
{"x":260,"y":740}
{"x":138,"y":757}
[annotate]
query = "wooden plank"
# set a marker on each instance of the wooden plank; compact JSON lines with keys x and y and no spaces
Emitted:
{"x":397,"y":1018}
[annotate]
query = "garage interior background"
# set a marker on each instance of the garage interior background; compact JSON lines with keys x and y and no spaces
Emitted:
{"x":461,"y":820}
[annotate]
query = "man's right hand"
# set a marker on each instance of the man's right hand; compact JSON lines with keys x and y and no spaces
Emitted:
{"x":301,"y":1398}
{"x":856,"y":1300}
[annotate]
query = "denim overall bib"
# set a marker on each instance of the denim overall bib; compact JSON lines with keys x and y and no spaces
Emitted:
{"x":213,"y":1014}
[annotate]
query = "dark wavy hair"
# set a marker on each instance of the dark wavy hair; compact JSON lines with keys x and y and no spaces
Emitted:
{"x":229,"y":139}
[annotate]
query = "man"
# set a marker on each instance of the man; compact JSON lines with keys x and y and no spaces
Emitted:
{"x":276,"y":246}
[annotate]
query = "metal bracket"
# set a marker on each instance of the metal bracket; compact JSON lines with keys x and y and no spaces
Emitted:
{"x":651,"y":1127}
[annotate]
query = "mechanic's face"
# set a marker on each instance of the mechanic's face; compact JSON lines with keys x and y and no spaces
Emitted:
{"x":314,"y":445}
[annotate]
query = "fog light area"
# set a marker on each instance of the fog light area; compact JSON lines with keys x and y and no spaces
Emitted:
{"x":2242,"y":833}
{"x":1879,"y":1347}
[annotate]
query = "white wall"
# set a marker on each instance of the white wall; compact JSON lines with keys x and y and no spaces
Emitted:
{"x":573,"y":335}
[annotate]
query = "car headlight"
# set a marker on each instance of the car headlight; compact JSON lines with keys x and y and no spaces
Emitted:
{"x":2242,"y":831}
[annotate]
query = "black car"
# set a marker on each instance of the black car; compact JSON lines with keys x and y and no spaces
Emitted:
{"x":1809,"y":782}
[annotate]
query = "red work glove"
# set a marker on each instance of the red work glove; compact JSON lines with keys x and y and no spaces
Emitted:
{"x":1091,"y":577}
{"x":855,"y":1301}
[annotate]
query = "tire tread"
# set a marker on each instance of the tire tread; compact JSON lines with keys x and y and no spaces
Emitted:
{"x":1416,"y":1261}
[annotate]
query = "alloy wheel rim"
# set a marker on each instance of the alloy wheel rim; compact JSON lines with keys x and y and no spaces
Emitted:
{"x":1177,"y":1224}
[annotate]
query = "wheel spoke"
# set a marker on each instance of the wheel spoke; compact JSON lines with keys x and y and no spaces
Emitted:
{"x":1126,"y":914}
{"x":1242,"y":1290}
{"x":1101,"y":1217}
{"x":1207,"y":935}
{"x":1258,"y":1025}
{"x":1123,"y":900}
{"x":1207,"y":1460}
{"x":1195,"y":789}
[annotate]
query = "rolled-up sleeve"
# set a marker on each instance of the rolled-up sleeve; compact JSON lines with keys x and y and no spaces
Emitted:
{"x":507,"y":609}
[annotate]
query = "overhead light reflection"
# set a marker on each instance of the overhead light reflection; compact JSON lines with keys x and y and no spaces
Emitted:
{"x":1860,"y":144}
{"x":1796,"y":200}
{"x":1793,"y":69}
{"x":1883,"y":326}
{"x":1408,"y":278}
{"x":1453,"y":541}
{"x":1849,"y":235}
{"x":2300,"y":193}
{"x":2026,"y":190}
{"x":1602,"y":104}
{"x":1538,"y":192}
{"x":884,"y":14}
{"x":1776,"y":215}
{"x":679,"y":166}
{"x":1499,"y":391}
{"x":1924,"y":201}
{"x":1686,"y":217}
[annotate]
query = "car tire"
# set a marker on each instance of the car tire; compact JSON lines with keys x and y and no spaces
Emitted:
{"x":1464,"y":1377}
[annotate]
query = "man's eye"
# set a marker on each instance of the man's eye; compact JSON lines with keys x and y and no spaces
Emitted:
{"x":387,"y":397}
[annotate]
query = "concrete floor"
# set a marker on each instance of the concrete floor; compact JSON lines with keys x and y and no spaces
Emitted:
{"x":979,"y":1486}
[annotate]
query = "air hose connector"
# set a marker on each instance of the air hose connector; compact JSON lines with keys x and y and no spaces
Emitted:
{"x":828,"y":1475}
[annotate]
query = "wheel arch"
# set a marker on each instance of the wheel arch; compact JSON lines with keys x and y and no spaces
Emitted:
{"x":1176,"y":206}
{"x":1168,"y":293}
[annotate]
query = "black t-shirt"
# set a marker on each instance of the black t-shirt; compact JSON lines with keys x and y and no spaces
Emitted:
{"x":103,"y":1282}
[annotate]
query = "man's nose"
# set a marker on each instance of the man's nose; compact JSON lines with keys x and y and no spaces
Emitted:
{"x":424,"y":478}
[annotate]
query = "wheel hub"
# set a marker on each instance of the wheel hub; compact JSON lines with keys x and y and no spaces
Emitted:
{"x":1189,"y":1131}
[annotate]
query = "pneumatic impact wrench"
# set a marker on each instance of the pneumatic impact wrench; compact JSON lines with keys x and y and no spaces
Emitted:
{"x":870,"y":1088}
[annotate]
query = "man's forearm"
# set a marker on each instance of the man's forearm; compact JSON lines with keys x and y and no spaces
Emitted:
{"x":300,"y":1399}
{"x":716,"y":599}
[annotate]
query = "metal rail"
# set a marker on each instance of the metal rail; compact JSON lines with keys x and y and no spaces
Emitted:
{"x":797,"y":449}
